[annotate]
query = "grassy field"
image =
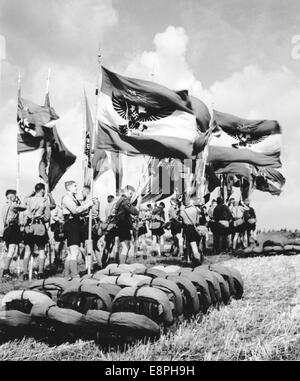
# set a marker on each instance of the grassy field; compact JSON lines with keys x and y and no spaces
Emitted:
{"x":264,"y":325}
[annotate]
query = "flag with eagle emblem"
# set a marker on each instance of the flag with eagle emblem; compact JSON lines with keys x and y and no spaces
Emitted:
{"x":263,"y":136}
{"x":141,"y":117}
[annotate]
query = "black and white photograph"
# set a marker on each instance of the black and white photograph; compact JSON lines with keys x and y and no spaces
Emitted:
{"x":149,"y":183}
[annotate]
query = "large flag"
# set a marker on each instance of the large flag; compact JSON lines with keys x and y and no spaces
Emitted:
{"x":141,"y":117}
{"x":217,"y":154}
{"x":263,"y":136}
{"x":34,"y":122}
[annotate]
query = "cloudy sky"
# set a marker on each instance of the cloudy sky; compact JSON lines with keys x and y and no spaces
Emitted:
{"x":237,"y":53}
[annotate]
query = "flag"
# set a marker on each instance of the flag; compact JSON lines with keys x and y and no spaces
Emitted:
{"x":235,"y":169}
{"x":100,"y":163}
{"x":199,"y":109}
{"x":269,"y":180}
{"x":141,"y":117}
{"x":228,"y":155}
{"x":60,"y":160}
{"x":33,"y":120}
{"x":263,"y":136}
{"x":88,"y":144}
{"x":117,"y":168}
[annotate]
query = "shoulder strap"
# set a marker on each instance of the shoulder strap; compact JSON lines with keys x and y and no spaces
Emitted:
{"x":189,"y":218}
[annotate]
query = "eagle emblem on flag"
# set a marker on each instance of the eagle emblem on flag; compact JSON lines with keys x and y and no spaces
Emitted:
{"x":244,"y":137}
{"x":136,"y":114}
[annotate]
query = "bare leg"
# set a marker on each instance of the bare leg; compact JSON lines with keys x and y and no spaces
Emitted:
{"x":125,"y":245}
{"x":9,"y":256}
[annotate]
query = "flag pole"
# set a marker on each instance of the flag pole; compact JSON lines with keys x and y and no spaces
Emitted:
{"x":48,"y":80}
{"x":90,"y":242}
{"x":47,"y":184}
{"x":18,"y":173}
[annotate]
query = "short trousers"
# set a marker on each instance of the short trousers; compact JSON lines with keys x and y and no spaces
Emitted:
{"x":12,"y":235}
{"x":191,"y":234}
{"x":124,"y":232}
{"x":73,"y":229}
{"x":158,"y":232}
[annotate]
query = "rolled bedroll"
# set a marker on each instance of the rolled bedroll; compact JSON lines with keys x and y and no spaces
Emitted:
{"x":122,"y":326}
{"x":214,"y":285}
{"x":235,"y":275}
{"x":257,"y":250}
{"x":190,"y":299}
{"x":238,"y":283}
{"x":224,"y":286}
{"x":147,"y":301}
{"x":14,"y":319}
{"x":117,"y":269}
{"x":226,"y":274}
{"x":24,"y":300}
{"x":295,"y":248}
{"x":159,"y":267}
{"x":172,"y":269}
{"x":111,"y":289}
{"x":167,"y":286}
{"x":58,"y":325}
{"x":155,"y":273}
{"x":52,"y":287}
{"x":84,"y":297}
{"x":202,"y":290}
{"x":123,"y":280}
{"x":61,"y":315}
{"x":184,"y":271}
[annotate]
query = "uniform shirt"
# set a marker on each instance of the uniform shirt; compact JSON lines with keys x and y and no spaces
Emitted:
{"x":38,"y":206}
{"x":72,"y":206}
{"x":109,"y":208}
{"x":237,"y":212}
{"x":10,"y":212}
{"x":123,"y":210}
{"x":190,"y":215}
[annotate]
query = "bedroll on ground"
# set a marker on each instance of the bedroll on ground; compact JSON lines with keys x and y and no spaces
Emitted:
{"x":120,"y":304}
